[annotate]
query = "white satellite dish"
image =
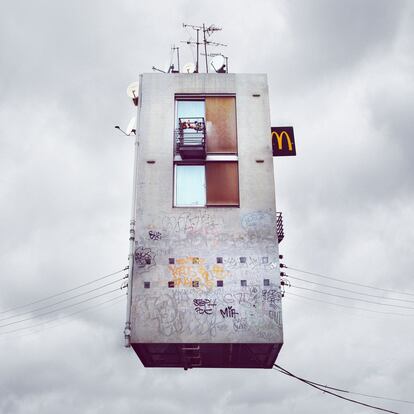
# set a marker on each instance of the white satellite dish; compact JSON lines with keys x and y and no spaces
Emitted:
{"x":132,"y":126}
{"x":133,"y":92}
{"x":189,"y":68}
{"x":218,"y":63}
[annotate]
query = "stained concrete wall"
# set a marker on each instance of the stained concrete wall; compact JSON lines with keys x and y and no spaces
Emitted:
{"x":244,"y":237}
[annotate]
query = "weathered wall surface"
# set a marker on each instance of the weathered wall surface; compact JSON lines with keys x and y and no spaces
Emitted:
{"x":204,"y":245}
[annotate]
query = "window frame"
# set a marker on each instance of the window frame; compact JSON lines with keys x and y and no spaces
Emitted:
{"x":210,"y":157}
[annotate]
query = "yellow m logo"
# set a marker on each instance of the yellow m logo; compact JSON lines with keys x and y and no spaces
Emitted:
{"x":279,"y":139}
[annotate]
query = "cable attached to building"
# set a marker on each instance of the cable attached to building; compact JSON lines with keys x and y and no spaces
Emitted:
{"x":326,"y":389}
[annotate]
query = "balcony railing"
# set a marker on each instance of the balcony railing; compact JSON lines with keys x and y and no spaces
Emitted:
{"x":190,"y":138}
{"x":279,"y":227}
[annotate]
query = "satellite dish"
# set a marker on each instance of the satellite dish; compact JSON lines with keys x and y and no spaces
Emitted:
{"x":132,"y":126}
{"x":133,"y":92}
{"x":218,"y":63}
{"x":189,"y":68}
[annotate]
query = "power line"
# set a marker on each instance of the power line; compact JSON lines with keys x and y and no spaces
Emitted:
{"x":59,"y":309}
{"x":350,"y":282}
{"x":349,"y":290}
{"x":326,"y":389}
{"x":351,"y":298}
{"x":62,"y":301}
{"x":61,"y":317}
{"x":289,"y":293}
{"x":63,"y":292}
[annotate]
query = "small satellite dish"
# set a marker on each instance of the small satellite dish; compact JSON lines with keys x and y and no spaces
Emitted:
{"x":189,"y":68}
{"x":133,"y":91}
{"x":132,"y":126}
{"x":218,"y":63}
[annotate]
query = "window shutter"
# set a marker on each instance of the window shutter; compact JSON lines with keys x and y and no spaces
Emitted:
{"x":222,"y":179}
{"x":221,"y":124}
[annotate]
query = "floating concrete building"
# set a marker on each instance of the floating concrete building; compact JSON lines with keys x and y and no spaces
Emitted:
{"x":204,"y":285}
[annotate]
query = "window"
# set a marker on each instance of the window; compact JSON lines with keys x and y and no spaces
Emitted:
{"x":206,"y":162}
{"x":190,"y":185}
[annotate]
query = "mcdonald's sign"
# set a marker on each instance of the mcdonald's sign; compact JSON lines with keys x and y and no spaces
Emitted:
{"x":283,"y":141}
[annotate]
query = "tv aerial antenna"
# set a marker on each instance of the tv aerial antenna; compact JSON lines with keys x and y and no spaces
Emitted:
{"x":206,"y":32}
{"x":169,"y":67}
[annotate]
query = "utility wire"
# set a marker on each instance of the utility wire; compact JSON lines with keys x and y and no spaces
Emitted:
{"x":353,"y":392}
{"x":325,"y":389}
{"x":62,"y":301}
{"x":351,"y":298}
{"x":350,"y":282}
{"x":348,"y":290}
{"x":289,"y":293}
{"x":59,"y":309}
{"x":63,"y":292}
{"x":60,"y":317}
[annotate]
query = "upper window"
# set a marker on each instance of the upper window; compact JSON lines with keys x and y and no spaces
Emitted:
{"x":205,"y":137}
{"x":190,"y":109}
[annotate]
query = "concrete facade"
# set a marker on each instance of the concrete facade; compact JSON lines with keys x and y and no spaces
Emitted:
{"x":205,"y":244}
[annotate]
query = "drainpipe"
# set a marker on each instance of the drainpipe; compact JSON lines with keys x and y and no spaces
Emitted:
{"x":127,"y":330}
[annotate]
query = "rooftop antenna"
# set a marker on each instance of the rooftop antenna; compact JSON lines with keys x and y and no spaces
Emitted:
{"x":209,"y":31}
{"x":170,"y":67}
{"x":197,"y":42}
{"x":178,"y":59}
{"x":158,"y":70}
{"x":217,"y":62}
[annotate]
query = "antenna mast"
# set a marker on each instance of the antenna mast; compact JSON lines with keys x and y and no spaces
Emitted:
{"x":207,"y":32}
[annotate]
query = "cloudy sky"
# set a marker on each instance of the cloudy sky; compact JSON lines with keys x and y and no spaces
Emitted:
{"x":341,"y":72}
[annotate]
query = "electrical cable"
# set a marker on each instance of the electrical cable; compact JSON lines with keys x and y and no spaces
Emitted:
{"x":289,"y":293}
{"x":353,"y":392}
{"x":60,"y":317}
{"x":348,"y":290}
{"x":325,"y":389}
{"x":62,"y":301}
{"x":63,"y":292}
{"x":59,"y":309}
{"x":350,"y":298}
{"x":350,"y":282}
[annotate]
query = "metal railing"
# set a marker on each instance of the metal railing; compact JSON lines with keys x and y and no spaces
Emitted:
{"x":279,"y":227}
{"x":191,"y":132}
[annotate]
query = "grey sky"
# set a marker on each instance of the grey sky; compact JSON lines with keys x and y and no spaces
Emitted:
{"x":341,"y":72}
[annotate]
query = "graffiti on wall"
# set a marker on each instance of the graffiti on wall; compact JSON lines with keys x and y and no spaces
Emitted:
{"x":154,"y":235}
{"x":197,"y":305}
{"x":144,"y":257}
{"x":187,"y":270}
{"x":228,"y":312}
{"x":204,"y":306}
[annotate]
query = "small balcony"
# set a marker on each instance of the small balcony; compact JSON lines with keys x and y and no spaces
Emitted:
{"x":279,"y":227}
{"x":190,"y":138}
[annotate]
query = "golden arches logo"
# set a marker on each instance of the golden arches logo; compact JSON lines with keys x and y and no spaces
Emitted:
{"x":279,"y":139}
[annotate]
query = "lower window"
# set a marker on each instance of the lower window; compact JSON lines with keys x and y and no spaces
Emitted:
{"x":190,"y":186}
{"x":215,"y":184}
